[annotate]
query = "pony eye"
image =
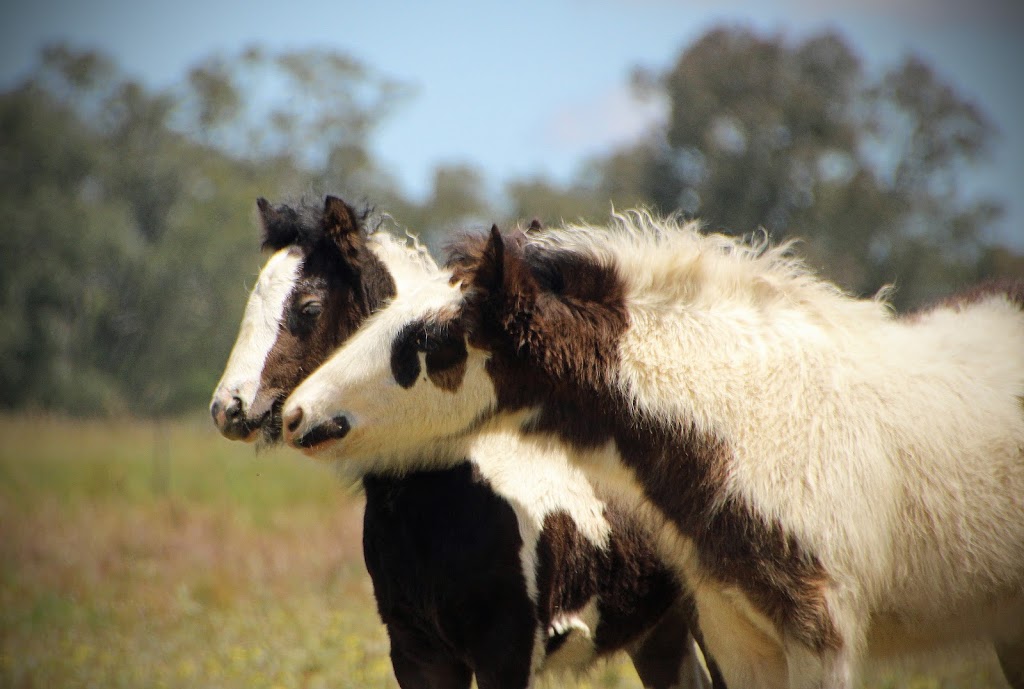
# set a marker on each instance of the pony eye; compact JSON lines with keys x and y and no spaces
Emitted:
{"x":302,"y":316}
{"x":311,"y":309}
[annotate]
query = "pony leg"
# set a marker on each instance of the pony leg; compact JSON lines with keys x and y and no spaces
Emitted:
{"x":669,"y":657}
{"x":737,"y":651}
{"x":502,"y":654}
{"x":832,"y":660}
{"x":809,"y":669}
{"x":660,"y":658}
{"x":710,"y":667}
{"x":420,"y":664}
{"x":1011,"y":659}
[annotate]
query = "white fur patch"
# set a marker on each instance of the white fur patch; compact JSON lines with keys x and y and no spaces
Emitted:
{"x":578,"y":650}
{"x":260,"y":324}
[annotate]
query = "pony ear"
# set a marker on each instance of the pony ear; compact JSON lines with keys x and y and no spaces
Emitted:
{"x":280,"y":227}
{"x":535,"y":226}
{"x":489,"y":275}
{"x":341,"y":224}
{"x":502,"y":270}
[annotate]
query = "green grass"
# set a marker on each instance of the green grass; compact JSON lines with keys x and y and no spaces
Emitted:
{"x":160,"y":555}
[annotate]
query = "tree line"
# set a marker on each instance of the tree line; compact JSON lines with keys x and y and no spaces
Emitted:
{"x":130,"y":238}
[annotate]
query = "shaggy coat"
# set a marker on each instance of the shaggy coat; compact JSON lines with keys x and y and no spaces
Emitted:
{"x":502,"y":561}
{"x":839,"y":482}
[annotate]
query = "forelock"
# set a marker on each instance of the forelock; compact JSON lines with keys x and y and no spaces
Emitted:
{"x":301,"y":224}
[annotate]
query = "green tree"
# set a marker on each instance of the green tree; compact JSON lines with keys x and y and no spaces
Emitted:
{"x":131,"y":215}
{"x":795,"y":138}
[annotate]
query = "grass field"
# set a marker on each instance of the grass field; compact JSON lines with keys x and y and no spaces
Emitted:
{"x":160,"y":555}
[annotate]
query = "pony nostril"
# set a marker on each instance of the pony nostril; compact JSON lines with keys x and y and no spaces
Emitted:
{"x":215,"y":410}
{"x":332,"y":429}
{"x":234,"y":409}
{"x":293,"y":419}
{"x":342,"y":426}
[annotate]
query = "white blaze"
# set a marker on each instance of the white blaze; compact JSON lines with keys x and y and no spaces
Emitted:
{"x":259,"y":329}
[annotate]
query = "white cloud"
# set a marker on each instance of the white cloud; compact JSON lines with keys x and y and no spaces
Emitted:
{"x":608,"y":119}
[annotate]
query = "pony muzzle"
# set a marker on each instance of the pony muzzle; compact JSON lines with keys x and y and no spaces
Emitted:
{"x":229,"y":415}
{"x":332,"y":429}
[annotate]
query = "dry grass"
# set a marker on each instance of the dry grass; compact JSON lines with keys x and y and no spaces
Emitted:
{"x":160,"y":555}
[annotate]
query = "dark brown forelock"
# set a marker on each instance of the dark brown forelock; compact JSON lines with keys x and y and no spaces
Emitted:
{"x":289,"y":225}
{"x":302,"y":224}
{"x":553,"y":332}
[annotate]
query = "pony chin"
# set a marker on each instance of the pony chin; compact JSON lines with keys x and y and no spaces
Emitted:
{"x":325,"y":451}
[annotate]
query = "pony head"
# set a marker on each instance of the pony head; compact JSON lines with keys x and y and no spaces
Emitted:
{"x":321,"y":282}
{"x":503,"y":331}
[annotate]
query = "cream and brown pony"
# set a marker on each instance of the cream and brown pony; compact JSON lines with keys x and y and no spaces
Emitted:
{"x":840,"y":483}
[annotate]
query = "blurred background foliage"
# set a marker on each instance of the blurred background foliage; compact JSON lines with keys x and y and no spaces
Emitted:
{"x":131,"y":238}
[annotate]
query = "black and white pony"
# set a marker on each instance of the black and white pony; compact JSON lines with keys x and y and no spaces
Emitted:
{"x":840,"y":483}
{"x":502,"y":564}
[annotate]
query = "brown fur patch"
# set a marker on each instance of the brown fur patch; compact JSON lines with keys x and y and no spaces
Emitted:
{"x":1012,"y":289}
{"x":446,"y":354}
{"x":446,"y":370}
{"x":552,"y":322}
{"x":633,"y":588}
{"x":684,"y":475}
{"x":566,"y":572}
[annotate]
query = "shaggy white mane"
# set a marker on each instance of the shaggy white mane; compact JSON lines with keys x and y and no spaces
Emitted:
{"x":666,"y":262}
{"x":408,"y":260}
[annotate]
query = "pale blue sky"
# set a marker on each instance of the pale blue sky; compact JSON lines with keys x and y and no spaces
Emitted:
{"x":533,"y":87}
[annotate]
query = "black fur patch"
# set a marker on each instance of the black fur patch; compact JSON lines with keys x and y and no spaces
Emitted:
{"x":444,"y":346}
{"x":405,"y":359}
{"x":442,"y":550}
{"x":334,"y":429}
